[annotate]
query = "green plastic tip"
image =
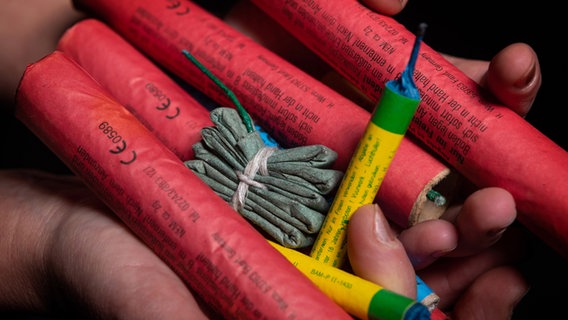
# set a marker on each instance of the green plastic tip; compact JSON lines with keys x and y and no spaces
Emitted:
{"x":436,"y":197}
{"x":388,"y":305}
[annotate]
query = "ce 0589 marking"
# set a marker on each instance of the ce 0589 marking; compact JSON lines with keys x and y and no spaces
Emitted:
{"x":116,"y":138}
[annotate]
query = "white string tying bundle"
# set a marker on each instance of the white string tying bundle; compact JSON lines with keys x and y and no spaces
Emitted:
{"x":270,"y":210}
{"x":246,"y":178}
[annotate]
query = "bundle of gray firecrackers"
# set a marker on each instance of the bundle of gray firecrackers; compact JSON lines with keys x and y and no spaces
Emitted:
{"x":281,"y":191}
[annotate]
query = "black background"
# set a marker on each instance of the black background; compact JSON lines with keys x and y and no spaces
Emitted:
{"x":479,"y":30}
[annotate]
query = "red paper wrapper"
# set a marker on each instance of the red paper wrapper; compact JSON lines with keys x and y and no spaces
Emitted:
{"x":199,"y":235}
{"x":165,"y":108}
{"x":486,"y":142}
{"x":293,"y":107}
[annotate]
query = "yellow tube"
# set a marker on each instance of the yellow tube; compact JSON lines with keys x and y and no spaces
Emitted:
{"x":359,"y":297}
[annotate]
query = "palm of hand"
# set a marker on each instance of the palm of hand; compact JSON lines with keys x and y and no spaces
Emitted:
{"x":91,"y":263}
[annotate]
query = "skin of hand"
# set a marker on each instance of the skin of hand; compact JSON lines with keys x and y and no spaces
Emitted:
{"x":71,"y":253}
{"x":39,"y":24}
{"x":62,"y":250}
{"x":467,"y":256}
{"x":471,"y":229}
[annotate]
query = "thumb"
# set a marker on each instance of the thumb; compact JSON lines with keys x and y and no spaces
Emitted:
{"x":388,"y":7}
{"x":514,"y":77}
{"x":376,"y":254}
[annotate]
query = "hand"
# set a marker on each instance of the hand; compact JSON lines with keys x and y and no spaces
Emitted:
{"x":29,"y":31}
{"x":63,"y":251}
{"x":468,"y":256}
{"x":107,"y":262}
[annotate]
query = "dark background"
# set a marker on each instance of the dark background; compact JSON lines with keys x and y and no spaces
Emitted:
{"x":468,"y":29}
{"x":479,"y":30}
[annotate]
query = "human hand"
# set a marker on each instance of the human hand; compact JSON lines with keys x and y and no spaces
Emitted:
{"x":64,"y":252}
{"x":28,"y":31}
{"x":415,"y":254}
{"x":514,"y":76}
{"x":467,"y":257}
{"x":470,"y":248}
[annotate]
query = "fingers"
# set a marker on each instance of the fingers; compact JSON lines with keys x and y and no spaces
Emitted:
{"x":75,"y":256}
{"x":429,"y":240}
{"x":450,"y":277}
{"x":374,"y":252}
{"x":102,"y":269}
{"x":387,"y":7}
{"x":28,"y":31}
{"x":493,"y":295}
{"x":464,"y":230}
{"x":514,"y":77}
{"x":482,"y":219}
{"x":22,"y":240}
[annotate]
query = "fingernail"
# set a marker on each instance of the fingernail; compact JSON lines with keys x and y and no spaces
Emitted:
{"x":517,"y":301}
{"x":441,"y":253}
{"x":382,"y":230}
{"x":527,"y":80}
{"x":496,"y":232}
